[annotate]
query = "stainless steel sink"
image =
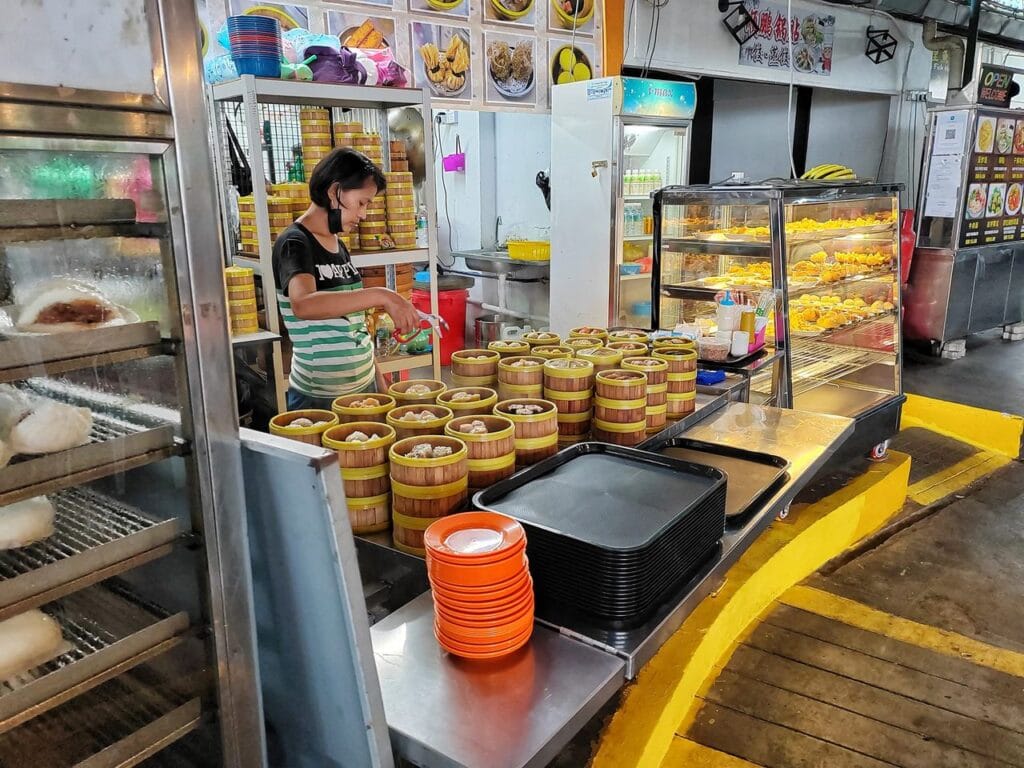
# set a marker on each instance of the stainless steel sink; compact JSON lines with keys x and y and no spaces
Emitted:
{"x":498,"y":263}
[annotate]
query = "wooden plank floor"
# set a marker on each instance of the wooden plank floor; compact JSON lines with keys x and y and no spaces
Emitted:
{"x":810,"y":690}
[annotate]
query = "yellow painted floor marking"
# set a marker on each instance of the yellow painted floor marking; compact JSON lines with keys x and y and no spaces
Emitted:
{"x":922,"y":635}
{"x":689,"y":754}
{"x":990,"y":430}
{"x":952,"y":479}
{"x":663,"y":699}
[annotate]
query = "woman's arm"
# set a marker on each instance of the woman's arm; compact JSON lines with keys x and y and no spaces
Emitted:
{"x":310,"y":304}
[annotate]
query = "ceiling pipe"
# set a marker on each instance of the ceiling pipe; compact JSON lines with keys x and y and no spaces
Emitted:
{"x":933,"y":41}
{"x":972,"y":42}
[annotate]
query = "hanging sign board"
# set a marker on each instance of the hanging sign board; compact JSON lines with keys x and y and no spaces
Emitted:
{"x":994,"y":86}
{"x":812,"y":37}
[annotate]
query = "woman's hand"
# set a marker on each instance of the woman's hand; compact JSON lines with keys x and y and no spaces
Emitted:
{"x":402,"y":312}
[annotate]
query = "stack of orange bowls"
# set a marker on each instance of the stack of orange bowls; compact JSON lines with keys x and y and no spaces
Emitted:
{"x":483,"y":593}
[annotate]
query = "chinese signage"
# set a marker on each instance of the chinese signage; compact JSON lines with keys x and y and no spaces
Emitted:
{"x":811,"y":33}
{"x":658,"y":98}
{"x":995,"y":182}
{"x":994,"y":86}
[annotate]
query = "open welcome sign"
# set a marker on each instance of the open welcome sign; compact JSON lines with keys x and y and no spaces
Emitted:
{"x":994,"y":86}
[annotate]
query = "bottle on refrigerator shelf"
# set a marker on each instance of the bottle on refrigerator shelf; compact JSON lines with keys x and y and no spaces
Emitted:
{"x":421,"y":227}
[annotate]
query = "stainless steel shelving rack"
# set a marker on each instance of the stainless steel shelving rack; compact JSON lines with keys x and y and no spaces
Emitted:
{"x":853,"y":369}
{"x":147,"y":571}
{"x":254,"y":94}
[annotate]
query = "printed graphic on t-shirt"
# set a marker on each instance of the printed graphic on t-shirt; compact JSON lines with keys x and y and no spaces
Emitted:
{"x":337,"y":271}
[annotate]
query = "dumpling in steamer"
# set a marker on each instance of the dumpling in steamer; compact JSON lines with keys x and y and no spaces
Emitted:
{"x":26,"y":522}
{"x":51,"y":427}
{"x":68,"y":305}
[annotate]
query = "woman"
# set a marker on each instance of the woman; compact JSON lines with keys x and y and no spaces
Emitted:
{"x":320,"y":292}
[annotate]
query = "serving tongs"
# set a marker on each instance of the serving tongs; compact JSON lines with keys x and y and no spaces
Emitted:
{"x":427,"y":322}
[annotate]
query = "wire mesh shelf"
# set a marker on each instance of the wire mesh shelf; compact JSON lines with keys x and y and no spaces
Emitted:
{"x":815,"y":363}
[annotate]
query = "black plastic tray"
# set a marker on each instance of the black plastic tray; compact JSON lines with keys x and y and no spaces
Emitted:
{"x":618,"y":499}
{"x":751,"y":475}
{"x":732,"y":359}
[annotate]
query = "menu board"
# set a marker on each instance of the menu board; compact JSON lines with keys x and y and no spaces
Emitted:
{"x":995,"y":181}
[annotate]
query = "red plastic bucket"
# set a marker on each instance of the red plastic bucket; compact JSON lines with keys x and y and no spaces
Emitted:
{"x":451,"y":305}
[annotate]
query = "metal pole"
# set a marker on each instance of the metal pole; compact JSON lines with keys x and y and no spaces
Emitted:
{"x":972,"y":42}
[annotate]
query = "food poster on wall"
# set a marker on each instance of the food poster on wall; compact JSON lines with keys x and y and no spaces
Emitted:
{"x":442,"y":55}
{"x":992,"y":206}
{"x":511,"y":68}
{"x":369,"y":31}
{"x":447,"y":7}
{"x":522,"y":13}
{"x":812,"y":35}
{"x":568,"y":63}
{"x":572,"y":17}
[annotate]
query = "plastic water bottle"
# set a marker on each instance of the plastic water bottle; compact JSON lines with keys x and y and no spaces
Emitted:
{"x":421,"y":227}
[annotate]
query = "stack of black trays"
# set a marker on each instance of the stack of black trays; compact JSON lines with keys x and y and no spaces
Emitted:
{"x":612,"y":532}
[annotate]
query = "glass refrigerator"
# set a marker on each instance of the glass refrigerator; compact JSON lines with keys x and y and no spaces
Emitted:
{"x":614,"y":141}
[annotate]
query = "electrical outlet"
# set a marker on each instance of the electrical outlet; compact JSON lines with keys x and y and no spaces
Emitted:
{"x":448,"y":118}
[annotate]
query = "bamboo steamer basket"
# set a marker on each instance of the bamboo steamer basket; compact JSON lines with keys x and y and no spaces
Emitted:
{"x":614,"y":385}
{"x":629,"y":348}
{"x":619,"y":434}
{"x":492,"y":457}
{"x":347,"y":413}
{"x":657,"y":394}
{"x":485,"y":405}
{"x":629,"y":334}
{"x":582,"y":342}
{"x":509,"y":348}
{"x":553,"y":352}
{"x":574,"y":425}
{"x":577,"y":377}
{"x":521,"y":375}
{"x":369,"y":514}
{"x":536,"y":434}
{"x":603,"y":358}
{"x":542,"y":339}
{"x":364,"y":466}
{"x":620,"y":411}
{"x":589,"y":332}
{"x":281,"y":425}
{"x":458,"y":382}
{"x":657,"y":418}
{"x":423,"y":490}
{"x":406,"y":429}
{"x":682,"y":368}
{"x":656,"y":370}
{"x":570,"y":402}
{"x":673,"y":342}
{"x":681,"y":404}
{"x":475,"y":368}
{"x":398,"y":391}
{"x":516,"y":391}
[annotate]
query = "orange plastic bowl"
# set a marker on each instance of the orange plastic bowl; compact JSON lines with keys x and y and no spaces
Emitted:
{"x":503,"y":603}
{"x":495,"y":591}
{"x":474,"y":618}
{"x":486,"y":634}
{"x":482,"y":651}
{"x":477,"y":537}
{"x":475,"y":575}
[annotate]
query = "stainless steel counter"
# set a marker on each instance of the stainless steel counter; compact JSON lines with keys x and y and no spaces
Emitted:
{"x":519,"y":711}
{"x":445,"y":712}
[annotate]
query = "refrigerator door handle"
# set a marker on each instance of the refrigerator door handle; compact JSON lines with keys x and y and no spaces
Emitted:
{"x":595,"y":164}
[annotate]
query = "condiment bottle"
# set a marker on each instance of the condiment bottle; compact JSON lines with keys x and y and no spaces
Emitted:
{"x":747,"y":319}
{"x":727,"y":314}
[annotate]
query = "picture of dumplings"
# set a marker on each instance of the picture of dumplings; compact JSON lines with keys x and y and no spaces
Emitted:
{"x":446,"y":67}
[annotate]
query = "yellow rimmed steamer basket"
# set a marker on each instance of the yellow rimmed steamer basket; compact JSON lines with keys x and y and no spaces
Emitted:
{"x":347,"y":412}
{"x":589,"y":332}
{"x":629,"y":348}
{"x":620,"y":407}
{"x":603,"y":358}
{"x":629,"y":334}
{"x":509,"y":348}
{"x":424,"y":490}
{"x":519,"y":379}
{"x":536,"y":434}
{"x":673,"y":342}
{"x":571,"y":389}
{"x":468,"y":371}
{"x":541,"y":339}
{"x":399,"y":391}
{"x":484,"y":405}
{"x":280,"y":425}
{"x":682,"y":379}
{"x":409,"y":428}
{"x":492,"y":456}
{"x":576,"y":343}
{"x":364,"y":472}
{"x":559,"y":352}
{"x":657,"y":388}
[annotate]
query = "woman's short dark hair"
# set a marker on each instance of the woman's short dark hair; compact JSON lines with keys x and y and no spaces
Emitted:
{"x":346,"y":166}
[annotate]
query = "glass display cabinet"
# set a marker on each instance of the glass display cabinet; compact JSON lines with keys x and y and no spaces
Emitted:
{"x":829,"y":254}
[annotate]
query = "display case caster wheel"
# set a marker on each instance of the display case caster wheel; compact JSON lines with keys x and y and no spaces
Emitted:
{"x":879,"y":452}
{"x":783,"y":513}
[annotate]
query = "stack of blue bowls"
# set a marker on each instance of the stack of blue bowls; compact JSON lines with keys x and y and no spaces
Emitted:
{"x":255,"y":45}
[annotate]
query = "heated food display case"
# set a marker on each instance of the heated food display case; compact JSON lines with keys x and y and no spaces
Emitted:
{"x":967,"y":274}
{"x":830,"y":255}
{"x":125,"y":593}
